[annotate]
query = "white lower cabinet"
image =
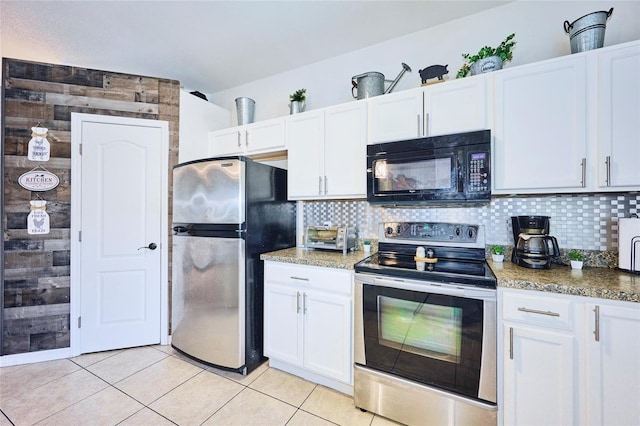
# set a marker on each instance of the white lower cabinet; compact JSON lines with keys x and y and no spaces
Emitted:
{"x":612,"y":363}
{"x":569,"y":360}
{"x":539,"y":352}
{"x":308,"y":323}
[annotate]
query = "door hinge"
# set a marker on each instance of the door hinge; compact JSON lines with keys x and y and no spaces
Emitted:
{"x":79,"y":322}
{"x":80,"y":236}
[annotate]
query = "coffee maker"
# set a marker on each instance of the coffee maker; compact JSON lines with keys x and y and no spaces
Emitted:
{"x":534,"y":247}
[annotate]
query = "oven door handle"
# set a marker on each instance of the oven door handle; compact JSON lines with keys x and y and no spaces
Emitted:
{"x":428,"y":287}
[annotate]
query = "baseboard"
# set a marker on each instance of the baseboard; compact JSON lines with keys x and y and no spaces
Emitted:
{"x":31,"y":357}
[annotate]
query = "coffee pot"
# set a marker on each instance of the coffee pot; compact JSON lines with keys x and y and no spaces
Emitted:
{"x":534,"y":248}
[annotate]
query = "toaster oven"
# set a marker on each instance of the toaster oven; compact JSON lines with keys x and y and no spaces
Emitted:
{"x":327,"y":237}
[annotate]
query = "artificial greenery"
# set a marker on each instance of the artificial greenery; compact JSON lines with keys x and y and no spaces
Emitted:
{"x":575,"y":255}
{"x":298,"y":95}
{"x":497,"y":249}
{"x":504,"y":51}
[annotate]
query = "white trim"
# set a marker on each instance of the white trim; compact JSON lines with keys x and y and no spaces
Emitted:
{"x":76,"y":219}
{"x":31,"y":357}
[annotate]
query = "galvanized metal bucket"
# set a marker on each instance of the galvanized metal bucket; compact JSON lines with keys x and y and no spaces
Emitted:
{"x":245,"y":108}
{"x":587,"y":32}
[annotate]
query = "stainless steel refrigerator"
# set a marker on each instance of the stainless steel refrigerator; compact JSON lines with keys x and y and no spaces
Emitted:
{"x":226,"y":212}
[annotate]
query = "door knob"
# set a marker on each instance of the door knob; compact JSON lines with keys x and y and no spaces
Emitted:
{"x":151,"y":246}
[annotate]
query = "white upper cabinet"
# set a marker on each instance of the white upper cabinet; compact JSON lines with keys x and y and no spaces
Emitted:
{"x":396,"y":116}
{"x":327,"y":153}
{"x":255,"y":138}
{"x":540,"y":141}
{"x":457,"y":106}
{"x":451,"y":107}
{"x":197,"y":118}
{"x":619,"y":118}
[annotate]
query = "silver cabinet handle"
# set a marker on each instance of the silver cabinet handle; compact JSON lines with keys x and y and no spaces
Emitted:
{"x":535,"y":311}
{"x":239,"y":136}
{"x":299,"y":278}
{"x":419,"y":122}
{"x":246,"y":137}
{"x":297,"y":302}
{"x":304,"y":303}
{"x":607,"y":162}
{"x":319,"y":185}
{"x":596,"y":332}
{"x":583,"y":164}
{"x":325,"y":185}
{"x":510,"y":342}
{"x":426,"y":124}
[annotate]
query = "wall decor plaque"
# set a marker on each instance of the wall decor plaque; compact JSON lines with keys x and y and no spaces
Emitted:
{"x":38,"y":179}
{"x":38,"y":218}
{"x":39,"y":147}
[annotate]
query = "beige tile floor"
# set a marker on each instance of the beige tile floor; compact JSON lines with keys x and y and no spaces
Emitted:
{"x":155,"y":385}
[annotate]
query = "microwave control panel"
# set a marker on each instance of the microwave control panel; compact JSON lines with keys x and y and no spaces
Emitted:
{"x":479,"y":172}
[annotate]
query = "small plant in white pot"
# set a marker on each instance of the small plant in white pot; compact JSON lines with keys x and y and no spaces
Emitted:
{"x":366,"y":246}
{"x":497,"y":253}
{"x":576,"y":259}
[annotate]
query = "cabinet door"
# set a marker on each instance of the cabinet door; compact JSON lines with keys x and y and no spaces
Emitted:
{"x":619,"y":115}
{"x":395,"y":116}
{"x":540,"y":128}
{"x":265,"y":136}
{"x":283,"y":323}
{"x":456,"y":106}
{"x":227,"y":142}
{"x":539,"y":377}
{"x":305,"y":143}
{"x":613,"y":364}
{"x":345,"y":151}
{"x":327,"y":335}
{"x":197,"y":118}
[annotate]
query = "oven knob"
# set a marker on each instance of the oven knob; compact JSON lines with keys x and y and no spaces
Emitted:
{"x":389,"y":230}
{"x":430,"y":253}
{"x":472,"y":233}
{"x":457,"y":231}
{"x":398,"y":230}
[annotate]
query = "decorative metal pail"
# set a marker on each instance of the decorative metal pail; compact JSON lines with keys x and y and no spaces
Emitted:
{"x":587,"y":32}
{"x":245,"y":108}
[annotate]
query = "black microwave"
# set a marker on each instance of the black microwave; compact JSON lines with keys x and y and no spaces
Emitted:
{"x":437,"y":170}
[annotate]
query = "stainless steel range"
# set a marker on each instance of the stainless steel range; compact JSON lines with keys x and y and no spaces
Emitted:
{"x":425,"y":326}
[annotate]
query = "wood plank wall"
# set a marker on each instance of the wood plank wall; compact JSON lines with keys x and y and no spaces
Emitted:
{"x":37,"y":267}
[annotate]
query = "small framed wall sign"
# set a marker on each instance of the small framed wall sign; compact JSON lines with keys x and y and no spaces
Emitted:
{"x":39,"y":147}
{"x":39,"y":179}
{"x":38,"y":218}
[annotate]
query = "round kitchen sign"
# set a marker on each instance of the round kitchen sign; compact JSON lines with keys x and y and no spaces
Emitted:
{"x":38,"y":180}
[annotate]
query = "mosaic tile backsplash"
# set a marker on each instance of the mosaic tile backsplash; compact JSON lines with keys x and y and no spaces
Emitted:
{"x":578,"y":221}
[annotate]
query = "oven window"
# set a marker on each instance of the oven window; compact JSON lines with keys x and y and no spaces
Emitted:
{"x":429,"y":338}
{"x":423,"y":175}
{"x":420,"y":328}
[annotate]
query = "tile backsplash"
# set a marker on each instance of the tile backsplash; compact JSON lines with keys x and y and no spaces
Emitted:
{"x":578,"y":221}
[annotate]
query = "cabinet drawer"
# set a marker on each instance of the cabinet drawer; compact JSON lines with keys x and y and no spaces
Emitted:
{"x":545,"y":311}
{"x":315,"y":277}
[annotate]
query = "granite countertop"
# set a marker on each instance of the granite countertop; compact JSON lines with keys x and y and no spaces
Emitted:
{"x":603,"y":283}
{"x":325,"y":258}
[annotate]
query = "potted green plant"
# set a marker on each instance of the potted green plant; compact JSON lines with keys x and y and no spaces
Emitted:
{"x":497,"y":253}
{"x":297,"y":99}
{"x":366,"y":246}
{"x":576,"y":259}
{"x":488,"y":58}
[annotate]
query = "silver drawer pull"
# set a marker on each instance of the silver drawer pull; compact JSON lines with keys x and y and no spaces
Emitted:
{"x":299,"y":278}
{"x":535,"y":311}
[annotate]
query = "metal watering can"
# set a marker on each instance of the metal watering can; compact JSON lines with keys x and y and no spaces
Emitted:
{"x":372,"y":83}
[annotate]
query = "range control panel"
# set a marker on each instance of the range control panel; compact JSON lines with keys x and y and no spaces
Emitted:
{"x":431,"y":231}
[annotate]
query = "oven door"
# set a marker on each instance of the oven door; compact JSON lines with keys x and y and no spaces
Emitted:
{"x":438,"y":335}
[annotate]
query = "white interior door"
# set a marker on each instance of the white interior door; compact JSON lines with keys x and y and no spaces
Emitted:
{"x":121,"y":242}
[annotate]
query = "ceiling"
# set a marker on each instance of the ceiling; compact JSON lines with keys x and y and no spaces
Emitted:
{"x":211,"y":46}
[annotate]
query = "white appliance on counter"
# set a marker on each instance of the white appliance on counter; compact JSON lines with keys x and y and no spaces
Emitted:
{"x":629,"y":244}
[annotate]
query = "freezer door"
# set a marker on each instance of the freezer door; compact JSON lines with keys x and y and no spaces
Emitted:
{"x":208,"y":307}
{"x":209,"y":192}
